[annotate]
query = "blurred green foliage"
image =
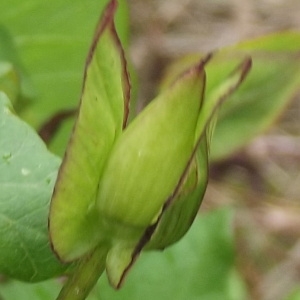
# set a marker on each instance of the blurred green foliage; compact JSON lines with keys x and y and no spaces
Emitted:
{"x":272,"y":83}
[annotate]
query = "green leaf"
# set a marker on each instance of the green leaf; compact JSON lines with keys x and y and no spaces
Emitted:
{"x":52,"y":39}
{"x":102,"y":114}
{"x":27,"y":175}
{"x":273,"y":81}
{"x":195,"y":268}
{"x":200,"y":266}
{"x":13,"y":290}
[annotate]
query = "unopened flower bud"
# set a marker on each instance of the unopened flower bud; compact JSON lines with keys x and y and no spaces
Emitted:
{"x":148,"y":159}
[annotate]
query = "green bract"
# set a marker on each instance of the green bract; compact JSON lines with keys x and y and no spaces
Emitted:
{"x":120,"y":189}
{"x":149,"y":157}
{"x":103,"y":111}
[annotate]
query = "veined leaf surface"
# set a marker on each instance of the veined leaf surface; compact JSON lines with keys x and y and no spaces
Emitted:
{"x":27,"y":175}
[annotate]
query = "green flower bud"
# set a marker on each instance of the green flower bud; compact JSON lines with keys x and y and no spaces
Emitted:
{"x":180,"y":212}
{"x":120,"y":190}
{"x":150,"y":156}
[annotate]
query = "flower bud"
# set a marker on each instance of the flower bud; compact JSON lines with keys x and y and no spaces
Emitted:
{"x":179,"y":214}
{"x":149,"y":157}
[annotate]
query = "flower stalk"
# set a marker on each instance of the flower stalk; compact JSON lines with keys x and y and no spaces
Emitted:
{"x":84,"y":277}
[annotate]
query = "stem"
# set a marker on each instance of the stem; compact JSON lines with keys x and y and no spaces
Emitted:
{"x":85,"y":276}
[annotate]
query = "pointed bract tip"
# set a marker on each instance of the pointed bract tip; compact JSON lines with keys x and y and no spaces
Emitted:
{"x":206,"y":59}
{"x":106,"y":20}
{"x":245,"y":66}
{"x":199,"y":67}
{"x":242,"y":70}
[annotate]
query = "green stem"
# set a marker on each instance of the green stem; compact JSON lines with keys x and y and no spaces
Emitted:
{"x":85,"y":276}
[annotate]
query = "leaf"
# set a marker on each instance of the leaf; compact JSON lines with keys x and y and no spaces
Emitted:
{"x":273,"y":81}
{"x":200,"y":266}
{"x":52,"y":40}
{"x":27,"y":175}
{"x":15,"y":290}
{"x":102,"y":114}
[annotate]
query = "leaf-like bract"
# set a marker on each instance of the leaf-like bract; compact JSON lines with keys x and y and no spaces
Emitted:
{"x":180,"y":213}
{"x":171,"y":218}
{"x":102,"y":115}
